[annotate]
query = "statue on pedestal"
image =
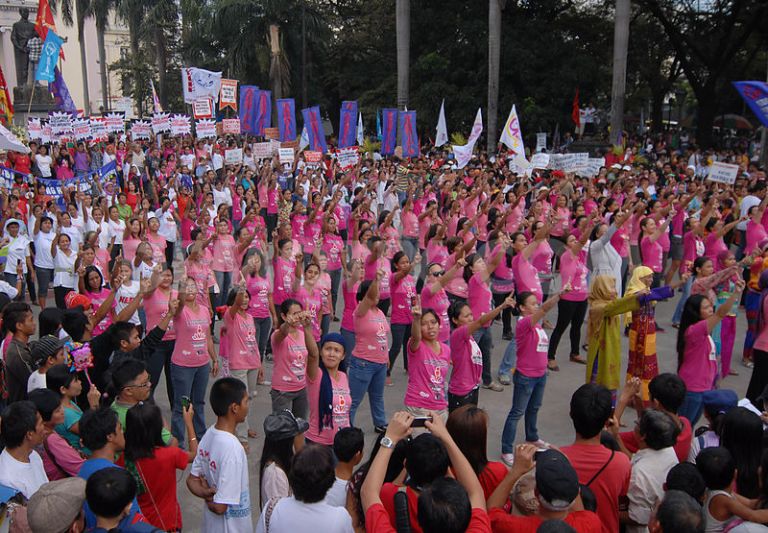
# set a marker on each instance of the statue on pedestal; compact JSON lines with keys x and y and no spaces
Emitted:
{"x":23,"y":30}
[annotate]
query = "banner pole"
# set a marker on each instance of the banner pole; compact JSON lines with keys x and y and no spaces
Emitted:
{"x":31,"y":97}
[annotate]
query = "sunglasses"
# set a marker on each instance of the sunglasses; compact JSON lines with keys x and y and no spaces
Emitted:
{"x":437,"y":274}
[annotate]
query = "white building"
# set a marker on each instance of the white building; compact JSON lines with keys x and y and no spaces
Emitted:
{"x":116,"y":41}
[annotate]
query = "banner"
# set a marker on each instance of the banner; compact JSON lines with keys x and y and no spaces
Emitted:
{"x":199,"y":83}
{"x":48,"y":57}
{"x":568,"y":162}
{"x":7,"y":176}
{"x":286,"y":118}
{"x":34,"y":129}
{"x":60,"y":93}
{"x":540,"y":161}
{"x":248,"y":95}
{"x":228,"y":95}
{"x":541,"y":141}
{"x":156,"y":105}
{"x":286,"y":156}
{"x":230,"y":126}
{"x":81,"y":129}
{"x":161,"y":123}
{"x":312,"y":159}
{"x":755,"y":94}
{"x":464,"y":153}
{"x":202,"y":108}
{"x":233,"y":156}
{"x":55,"y":187}
{"x":511,"y":134}
{"x":442,"y":130}
{"x":263,"y":113}
{"x":262,"y":150}
{"x":591,"y":167}
{"x":360,"y":136}
{"x":115,"y":122}
{"x":409,"y":139}
{"x":388,"y":131}
{"x":44,"y":21}
{"x":98,"y":127}
{"x":723,"y":172}
{"x":348,"y":157}
{"x":205,"y":129}
{"x":314,"y":125}
{"x":272,"y":134}
{"x":61,"y":123}
{"x":180,"y":125}
{"x":141,"y":129}
{"x":348,"y":124}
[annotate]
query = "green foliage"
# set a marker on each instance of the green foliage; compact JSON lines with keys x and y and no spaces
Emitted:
{"x":458,"y":139}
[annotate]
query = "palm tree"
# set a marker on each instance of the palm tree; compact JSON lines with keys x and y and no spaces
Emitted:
{"x":100,"y":10}
{"x":161,"y":17}
{"x":619,"y":86}
{"x":82,"y":12}
{"x":494,"y":58}
{"x":403,"y":29}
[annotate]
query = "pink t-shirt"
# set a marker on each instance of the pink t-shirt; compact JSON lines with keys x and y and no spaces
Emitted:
{"x":243,"y":347}
{"x":259,"y":290}
{"x":371,"y":267}
{"x":98,"y":298}
{"x":532,"y":346}
{"x":284,"y":276}
{"x":192,"y":329}
{"x":371,"y":332}
{"x":290,"y":362}
{"x":333,"y":246}
{"x":439,"y":303}
{"x":402,"y":292}
{"x":350,"y":304}
{"x":129,"y":248}
{"x":480,"y":298}
{"x":620,"y":241}
{"x":755,"y":235}
{"x":158,"y":245}
{"x":526,"y":278}
{"x":699,"y":366}
{"x":437,"y":253}
{"x":410,"y":223}
{"x":652,"y":254}
{"x":325,"y":286}
{"x":342,"y":401}
{"x":156,"y":307}
{"x":427,"y":373}
{"x":541,"y":259}
{"x":204,"y":280}
{"x":573,"y":270}
{"x":693,"y":247}
{"x":224,"y":253}
{"x":467,"y":362}
{"x":457,"y":286}
{"x":312,"y":301}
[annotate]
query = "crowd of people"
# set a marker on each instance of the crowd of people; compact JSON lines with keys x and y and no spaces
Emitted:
{"x":311,"y":280}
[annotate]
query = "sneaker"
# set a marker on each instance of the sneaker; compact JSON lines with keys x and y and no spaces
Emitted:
{"x":507,"y":336}
{"x":504,"y":379}
{"x":508,"y":459}
{"x":494,"y":386}
{"x":541,"y":444}
{"x":380,"y":429}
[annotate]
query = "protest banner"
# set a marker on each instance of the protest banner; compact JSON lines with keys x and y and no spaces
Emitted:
{"x":34,"y":129}
{"x":591,"y":167}
{"x":141,"y":129}
{"x":567,"y":162}
{"x":541,"y":142}
{"x":125,"y":105}
{"x":290,"y":144}
{"x":272,"y":133}
{"x":47,"y":135}
{"x":115,"y":122}
{"x":286,"y":118}
{"x":61,"y":123}
{"x":275,"y":147}
{"x":81,"y":129}
{"x":262,"y":150}
{"x":233,"y":156}
{"x":312,"y":158}
{"x":199,"y":83}
{"x":540,"y":160}
{"x":228,"y":94}
{"x":348,"y":157}
{"x":161,"y":123}
{"x":180,"y":125}
{"x":723,"y":172}
{"x":206,"y":128}
{"x":286,"y":156}
{"x":202,"y":108}
{"x":230,"y":126}
{"x":98,"y":129}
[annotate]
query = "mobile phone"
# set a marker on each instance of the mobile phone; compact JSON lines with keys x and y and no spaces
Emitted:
{"x":185,"y":402}
{"x":420,"y":421}
{"x":414,"y":299}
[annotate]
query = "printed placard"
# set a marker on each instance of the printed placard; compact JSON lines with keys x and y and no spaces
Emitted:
{"x":723,"y":172}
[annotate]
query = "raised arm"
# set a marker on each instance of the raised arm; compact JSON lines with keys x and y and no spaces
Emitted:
{"x":371,"y":297}
{"x":723,"y":309}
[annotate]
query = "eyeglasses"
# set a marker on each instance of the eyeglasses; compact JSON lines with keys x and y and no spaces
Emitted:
{"x":438,"y":274}
{"x":144,"y":385}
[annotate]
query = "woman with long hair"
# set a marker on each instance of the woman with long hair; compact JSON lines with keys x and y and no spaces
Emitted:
{"x":156,"y":303}
{"x":651,"y":250}
{"x":283,"y":437}
{"x":759,"y":379}
{"x":64,"y":277}
{"x":328,"y":391}
{"x":261,"y":306}
{"x":403,"y":291}
{"x":742,"y":435}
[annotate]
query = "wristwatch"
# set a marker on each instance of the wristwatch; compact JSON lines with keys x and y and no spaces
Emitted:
{"x":386,"y":442}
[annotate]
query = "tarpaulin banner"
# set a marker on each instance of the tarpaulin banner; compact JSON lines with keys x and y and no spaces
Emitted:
{"x":205,"y":129}
{"x":263,"y":114}
{"x":315,"y":132}
{"x":388,"y":131}
{"x":141,"y":130}
{"x":286,"y":119}
{"x":248,"y":97}
{"x":228,"y":94}
{"x":408,"y":136}
{"x":199,"y":83}
{"x":348,"y":124}
{"x":230,"y":126}
{"x":755,"y":94}
{"x":161,"y":123}
{"x":49,"y":57}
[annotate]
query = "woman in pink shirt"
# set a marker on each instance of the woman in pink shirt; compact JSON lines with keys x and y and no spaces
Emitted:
{"x":91,"y":284}
{"x":403,"y":293}
{"x":530,"y":376}
{"x":650,"y":248}
{"x":193,"y":358}
{"x":308,"y":294}
{"x":131,"y":238}
{"x":349,"y":286}
{"x":714,"y":244}
{"x":696,"y":352}
{"x":368,"y":364}
{"x":409,"y":223}
{"x":292,"y":342}
{"x":433,"y":295}
{"x":502,"y":281}
{"x":525,"y":274}
{"x":372,"y":264}
{"x":328,"y":391}
{"x":261,"y":306}
{"x":466,"y":357}
{"x":756,"y":232}
{"x":457,"y":287}
{"x":435,"y":247}
{"x":333,"y":246}
{"x":156,"y":303}
{"x":284,"y":266}
{"x":223,"y":263}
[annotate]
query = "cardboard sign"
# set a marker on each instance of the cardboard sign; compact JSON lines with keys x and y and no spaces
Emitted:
{"x":312,"y":158}
{"x":180,"y":125}
{"x":61,"y":123}
{"x":98,"y":128}
{"x":230,"y":126}
{"x":262,"y":150}
{"x":161,"y":123}
{"x":205,"y":129}
{"x":348,"y":157}
{"x":723,"y":172}
{"x":272,"y":133}
{"x":287,"y":156}
{"x":34,"y":129}
{"x":115,"y":122}
{"x":540,"y":160}
{"x":233,"y":156}
{"x":541,"y":142}
{"x":141,"y":129}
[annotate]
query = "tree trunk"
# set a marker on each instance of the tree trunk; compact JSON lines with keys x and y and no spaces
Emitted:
{"x":275,"y":71}
{"x":494,"y":59}
{"x":304,"y":98}
{"x":161,"y":60}
{"x":618,"y":89}
{"x":706,"y":100}
{"x":657,"y":112}
{"x":83,"y":63}
{"x":103,"y":63}
{"x":403,"y":25}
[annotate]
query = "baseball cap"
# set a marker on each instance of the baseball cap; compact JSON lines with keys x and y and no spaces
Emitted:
{"x":75,"y":299}
{"x":46,"y":347}
{"x":283,"y":425}
{"x":720,"y":400}
{"x":55,"y":505}
{"x":556,"y":480}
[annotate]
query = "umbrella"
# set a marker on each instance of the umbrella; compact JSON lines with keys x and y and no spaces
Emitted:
{"x":731,"y":121}
{"x":8,"y":141}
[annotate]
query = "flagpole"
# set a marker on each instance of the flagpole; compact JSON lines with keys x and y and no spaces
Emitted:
{"x":31,"y":96}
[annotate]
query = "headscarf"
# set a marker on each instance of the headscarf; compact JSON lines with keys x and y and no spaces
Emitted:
{"x":635,"y":283}
{"x":602,"y":293}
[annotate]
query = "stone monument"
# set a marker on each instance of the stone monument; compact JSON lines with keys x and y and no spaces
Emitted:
{"x":23,"y":30}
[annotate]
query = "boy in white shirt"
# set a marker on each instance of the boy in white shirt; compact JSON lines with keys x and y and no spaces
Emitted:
{"x":348,"y":447}
{"x":21,"y":467}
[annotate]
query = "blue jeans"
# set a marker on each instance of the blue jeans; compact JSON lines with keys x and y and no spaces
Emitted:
{"x":483,"y":339}
{"x":692,"y":407}
{"x":526,"y":400}
{"x":224,"y":281}
{"x":263,"y":330}
{"x":365,"y":376}
{"x":681,"y":302}
{"x":510,"y":354}
{"x":190,"y":382}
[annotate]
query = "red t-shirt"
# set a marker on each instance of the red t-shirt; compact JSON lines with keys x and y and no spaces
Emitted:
{"x":491,"y":476}
{"x":609,"y":486}
{"x":682,"y":447}
{"x":581,"y":521}
{"x":387,"y":494}
{"x":377,"y":520}
{"x":157,"y":500}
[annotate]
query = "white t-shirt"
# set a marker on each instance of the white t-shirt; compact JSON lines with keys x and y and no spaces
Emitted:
{"x":221,"y":461}
{"x":168,"y":228}
{"x":337,"y":494}
{"x":217,"y":160}
{"x":274,"y":483}
{"x":223,"y":196}
{"x":64,"y":274}
{"x":123,"y":298}
{"x":187,"y":160}
{"x":18,"y":250}
{"x":24,"y":477}
{"x":104,"y":236}
{"x":291,"y":515}
{"x":44,"y":164}
{"x":143,"y":271}
{"x":37,"y":381}
{"x":116,"y":230}
{"x":75,"y":235}
{"x":43,"y":258}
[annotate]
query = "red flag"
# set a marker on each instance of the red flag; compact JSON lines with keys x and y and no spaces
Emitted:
{"x":45,"y":22}
{"x":575,"y":111}
{"x":6,"y":107}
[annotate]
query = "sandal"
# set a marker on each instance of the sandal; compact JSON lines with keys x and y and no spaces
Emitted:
{"x":552,"y":365}
{"x":252,"y":434}
{"x":578,"y":359}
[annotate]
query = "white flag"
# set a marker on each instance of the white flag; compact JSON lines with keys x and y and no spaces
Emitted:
{"x":304,"y":141}
{"x":442,"y":129}
{"x":464,"y":153}
{"x":512,"y":136}
{"x":199,"y":83}
{"x":360,"y":136}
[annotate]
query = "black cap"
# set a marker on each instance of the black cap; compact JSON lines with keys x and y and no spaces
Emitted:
{"x":283,"y":425}
{"x":46,"y":347}
{"x":556,"y":480}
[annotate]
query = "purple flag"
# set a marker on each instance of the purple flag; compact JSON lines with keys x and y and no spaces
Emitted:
{"x":408,"y":136}
{"x":248,"y":97}
{"x":263,"y":113}
{"x":755,"y":94}
{"x":348,"y":124}
{"x":61,"y":94}
{"x":314,"y":125}
{"x":286,"y":119}
{"x":388,"y":131}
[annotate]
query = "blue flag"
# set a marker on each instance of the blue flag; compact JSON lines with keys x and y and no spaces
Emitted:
{"x":286,"y":119}
{"x":408,"y":136}
{"x":348,"y":124}
{"x":755,"y":94}
{"x":61,"y":94}
{"x":48,"y":57}
{"x":314,"y":126}
{"x":388,"y":131}
{"x":378,"y":125}
{"x":248,"y":96}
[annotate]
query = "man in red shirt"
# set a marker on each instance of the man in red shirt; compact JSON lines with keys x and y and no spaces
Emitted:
{"x":604,"y":471}
{"x":446,"y":506}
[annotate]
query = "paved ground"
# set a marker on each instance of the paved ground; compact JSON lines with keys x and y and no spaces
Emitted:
{"x":554,"y":423}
